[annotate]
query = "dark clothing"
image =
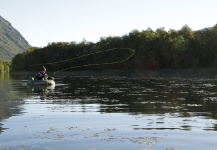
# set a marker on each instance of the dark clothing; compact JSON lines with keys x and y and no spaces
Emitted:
{"x":41,"y":76}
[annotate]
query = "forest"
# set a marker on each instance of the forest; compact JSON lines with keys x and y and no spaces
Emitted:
{"x":159,"y":49}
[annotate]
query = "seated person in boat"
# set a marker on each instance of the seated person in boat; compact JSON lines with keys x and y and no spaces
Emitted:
{"x":42,"y":74}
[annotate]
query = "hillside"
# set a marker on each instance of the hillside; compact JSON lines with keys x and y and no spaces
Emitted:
{"x":11,"y":41}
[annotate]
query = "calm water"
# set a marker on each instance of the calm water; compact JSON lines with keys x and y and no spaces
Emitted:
{"x":95,"y":112}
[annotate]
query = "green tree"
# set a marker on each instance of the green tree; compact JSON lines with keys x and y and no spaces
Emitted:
{"x":18,"y":62}
{"x":158,"y":49}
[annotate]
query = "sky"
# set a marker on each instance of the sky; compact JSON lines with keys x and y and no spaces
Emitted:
{"x":45,"y":21}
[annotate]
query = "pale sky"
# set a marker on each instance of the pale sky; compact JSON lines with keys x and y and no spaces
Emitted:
{"x":45,"y":21}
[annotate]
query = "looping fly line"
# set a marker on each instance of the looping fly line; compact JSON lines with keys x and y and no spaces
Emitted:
{"x":132,"y":52}
{"x":96,"y":64}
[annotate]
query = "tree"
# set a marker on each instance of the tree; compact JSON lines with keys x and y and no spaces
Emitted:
{"x":158,"y":49}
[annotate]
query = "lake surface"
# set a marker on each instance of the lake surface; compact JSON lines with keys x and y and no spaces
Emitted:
{"x":95,"y":112}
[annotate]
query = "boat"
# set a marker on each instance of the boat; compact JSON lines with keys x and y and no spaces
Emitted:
{"x":45,"y":82}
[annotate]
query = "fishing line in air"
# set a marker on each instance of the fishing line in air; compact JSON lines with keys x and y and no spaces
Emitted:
{"x":97,"y":64}
{"x":132,"y":52}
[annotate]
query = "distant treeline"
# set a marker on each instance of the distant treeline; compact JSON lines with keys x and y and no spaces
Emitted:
{"x":5,"y":66}
{"x":158,"y":49}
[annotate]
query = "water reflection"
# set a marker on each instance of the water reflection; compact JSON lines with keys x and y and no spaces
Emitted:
{"x":4,"y":76}
{"x":147,"y":96}
{"x":9,"y":98}
{"x":42,"y":91}
{"x":180,"y":98}
{"x":116,"y":111}
{"x":189,"y":99}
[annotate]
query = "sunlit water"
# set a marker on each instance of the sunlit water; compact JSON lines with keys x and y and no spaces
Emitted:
{"x":109,"y":112}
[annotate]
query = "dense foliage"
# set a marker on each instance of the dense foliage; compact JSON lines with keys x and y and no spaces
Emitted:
{"x":5,"y":66}
{"x":158,"y":49}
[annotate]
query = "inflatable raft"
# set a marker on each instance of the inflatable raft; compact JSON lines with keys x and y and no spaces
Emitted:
{"x":47,"y":82}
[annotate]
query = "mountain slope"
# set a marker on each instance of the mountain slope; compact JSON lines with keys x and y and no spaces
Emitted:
{"x":11,"y":41}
